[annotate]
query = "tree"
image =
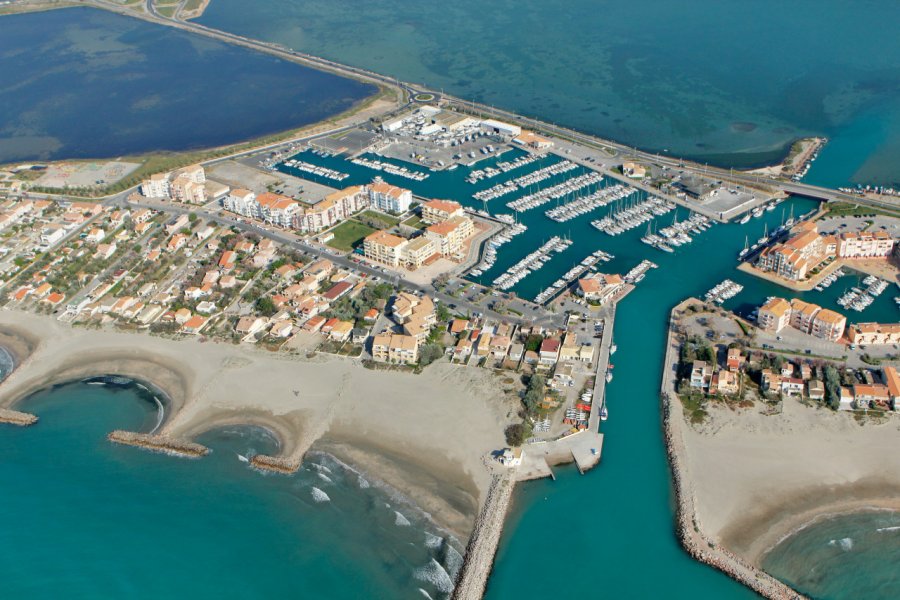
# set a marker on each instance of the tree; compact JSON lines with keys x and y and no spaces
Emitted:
{"x":192,"y":217}
{"x":265,"y":306}
{"x":832,"y":387}
{"x":515,"y":434}
{"x":430,"y":353}
{"x":443,"y":313}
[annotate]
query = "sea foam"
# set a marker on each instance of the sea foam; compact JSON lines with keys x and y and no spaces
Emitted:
{"x":435,"y":574}
{"x":319,"y":496}
{"x":400,"y":520}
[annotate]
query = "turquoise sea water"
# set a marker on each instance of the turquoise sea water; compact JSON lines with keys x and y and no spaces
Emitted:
{"x":85,"y":83}
{"x":89,"y":519}
{"x":833,"y":558}
{"x":728,"y":82}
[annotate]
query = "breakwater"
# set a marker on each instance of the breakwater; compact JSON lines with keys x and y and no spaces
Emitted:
{"x":482,"y":546}
{"x":277,"y":464}
{"x":158,"y":443}
{"x":687,"y":525}
{"x":14,"y":417}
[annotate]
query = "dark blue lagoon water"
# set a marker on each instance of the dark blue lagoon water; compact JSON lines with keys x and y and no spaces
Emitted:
{"x":85,"y":83}
{"x":730,"y":82}
{"x":89,"y":519}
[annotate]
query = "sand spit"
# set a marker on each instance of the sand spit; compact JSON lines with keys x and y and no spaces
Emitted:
{"x":425,"y":435}
{"x":15,"y":417}
{"x":691,"y":528}
{"x":158,"y":443}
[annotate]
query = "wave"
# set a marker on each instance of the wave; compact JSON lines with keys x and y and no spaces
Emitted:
{"x":436,"y":575}
{"x":883,"y":529}
{"x":400,"y":520}
{"x":846,"y":544}
{"x":363,"y":484}
{"x":424,"y":593}
{"x":319,"y":496}
{"x":324,"y":477}
{"x":433,"y":541}
{"x":321,"y":468}
{"x":453,"y":561}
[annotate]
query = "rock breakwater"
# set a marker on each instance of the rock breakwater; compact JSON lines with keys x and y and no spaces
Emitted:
{"x":14,"y":417}
{"x":158,"y":443}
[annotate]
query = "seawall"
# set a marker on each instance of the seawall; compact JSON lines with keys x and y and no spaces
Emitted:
{"x":482,"y":546}
{"x":687,"y":525}
{"x":158,"y":443}
{"x":14,"y":417}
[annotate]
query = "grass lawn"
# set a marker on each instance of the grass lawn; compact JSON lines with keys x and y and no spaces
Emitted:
{"x":388,"y":220}
{"x":846,"y":209}
{"x":415,"y":221}
{"x":348,"y":235}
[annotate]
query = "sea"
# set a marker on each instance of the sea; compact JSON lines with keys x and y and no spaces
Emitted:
{"x":732,"y":83}
{"x":86,"y":83}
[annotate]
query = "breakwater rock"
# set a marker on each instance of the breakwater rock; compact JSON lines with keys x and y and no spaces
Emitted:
{"x":275,"y":463}
{"x":482,"y":547}
{"x":158,"y":443}
{"x":14,"y":417}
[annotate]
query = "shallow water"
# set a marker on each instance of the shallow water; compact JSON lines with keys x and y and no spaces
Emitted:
{"x":89,"y":519}
{"x":85,"y":83}
{"x":848,"y":556}
{"x":728,"y":82}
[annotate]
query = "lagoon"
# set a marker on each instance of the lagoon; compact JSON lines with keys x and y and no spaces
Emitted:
{"x":86,"y":83}
{"x":726,"y":82}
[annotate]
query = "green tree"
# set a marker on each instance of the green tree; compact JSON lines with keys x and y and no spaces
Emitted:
{"x":515,"y":434}
{"x":832,"y":387}
{"x":265,"y":306}
{"x":430,"y":353}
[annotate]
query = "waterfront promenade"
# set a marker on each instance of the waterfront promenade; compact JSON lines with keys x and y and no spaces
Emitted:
{"x":688,"y":526}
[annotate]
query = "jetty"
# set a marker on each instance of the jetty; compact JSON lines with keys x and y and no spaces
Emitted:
{"x":277,"y":464}
{"x":14,"y":417}
{"x":158,"y":443}
{"x":482,"y":546}
{"x":687,"y":524}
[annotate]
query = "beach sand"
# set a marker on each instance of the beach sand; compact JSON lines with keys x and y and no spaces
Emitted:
{"x":758,"y":478}
{"x":425,"y":435}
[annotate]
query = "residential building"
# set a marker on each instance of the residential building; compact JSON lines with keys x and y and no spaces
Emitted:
{"x":389,"y":198}
{"x":384,"y":247}
{"x":791,"y":386}
{"x":157,"y":186}
{"x":418,"y":252}
{"x":828,"y":325}
{"x":395,"y":348}
{"x":803,"y":314}
{"x":242,"y":202}
{"x":251,"y":325}
{"x":701,"y":375}
{"x":449,"y":236}
{"x":549,"y":351}
{"x":734,"y":359}
{"x":438,"y":211}
{"x":864,"y":395}
{"x":892,"y":381}
{"x":185,"y":189}
{"x":724,"y":383}
{"x":51,"y":234}
{"x":815,"y":389}
{"x":874,"y":333}
{"x":600,"y":288}
{"x":799,"y":254}
{"x":865,"y":244}
{"x":634,"y":170}
{"x":276,"y":209}
{"x":335,"y":208}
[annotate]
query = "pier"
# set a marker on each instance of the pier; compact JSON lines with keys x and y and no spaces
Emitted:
{"x":482,"y":546}
{"x":687,"y":525}
{"x":14,"y":417}
{"x":158,"y":443}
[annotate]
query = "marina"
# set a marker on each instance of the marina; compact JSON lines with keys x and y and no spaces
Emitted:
{"x":631,"y":215}
{"x":571,"y":275}
{"x":323,"y":172}
{"x":531,"y":263}
{"x":586,"y":204}
{"x":377,"y":165}
{"x":559,"y":190}
{"x":723,"y":291}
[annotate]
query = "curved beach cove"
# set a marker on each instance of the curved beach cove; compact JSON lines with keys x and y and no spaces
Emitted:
{"x":146,"y":525}
{"x":85,"y":83}
{"x":728,"y":82}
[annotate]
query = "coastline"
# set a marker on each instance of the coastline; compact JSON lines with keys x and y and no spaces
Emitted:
{"x":431,"y":450}
{"x":746,"y":480}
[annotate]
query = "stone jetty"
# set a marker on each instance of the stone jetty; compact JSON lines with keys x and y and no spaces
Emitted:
{"x":158,"y":443}
{"x":687,"y":525}
{"x":14,"y":417}
{"x":277,"y":464}
{"x":479,"y":558}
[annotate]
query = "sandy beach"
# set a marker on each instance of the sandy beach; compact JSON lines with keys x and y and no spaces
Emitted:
{"x":757,"y":478}
{"x":425,"y":435}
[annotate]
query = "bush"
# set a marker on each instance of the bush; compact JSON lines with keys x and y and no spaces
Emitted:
{"x":429,"y":354}
{"x":515,"y":434}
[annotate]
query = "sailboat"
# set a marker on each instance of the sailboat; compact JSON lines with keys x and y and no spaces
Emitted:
{"x":604,"y":414}
{"x":746,"y":249}
{"x":745,"y":219}
{"x":765,"y":237}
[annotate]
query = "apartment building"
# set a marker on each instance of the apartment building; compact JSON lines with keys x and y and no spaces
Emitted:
{"x":157,"y":186}
{"x":276,"y":209}
{"x":874,"y":333}
{"x":241,"y":201}
{"x":794,"y":258}
{"x":384,"y":247}
{"x":438,"y":211}
{"x":865,"y":244}
{"x":395,"y":348}
{"x":333,"y":209}
{"x":389,"y":198}
{"x":449,"y":236}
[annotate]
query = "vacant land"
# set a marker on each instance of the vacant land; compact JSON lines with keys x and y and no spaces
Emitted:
{"x":349,"y":234}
